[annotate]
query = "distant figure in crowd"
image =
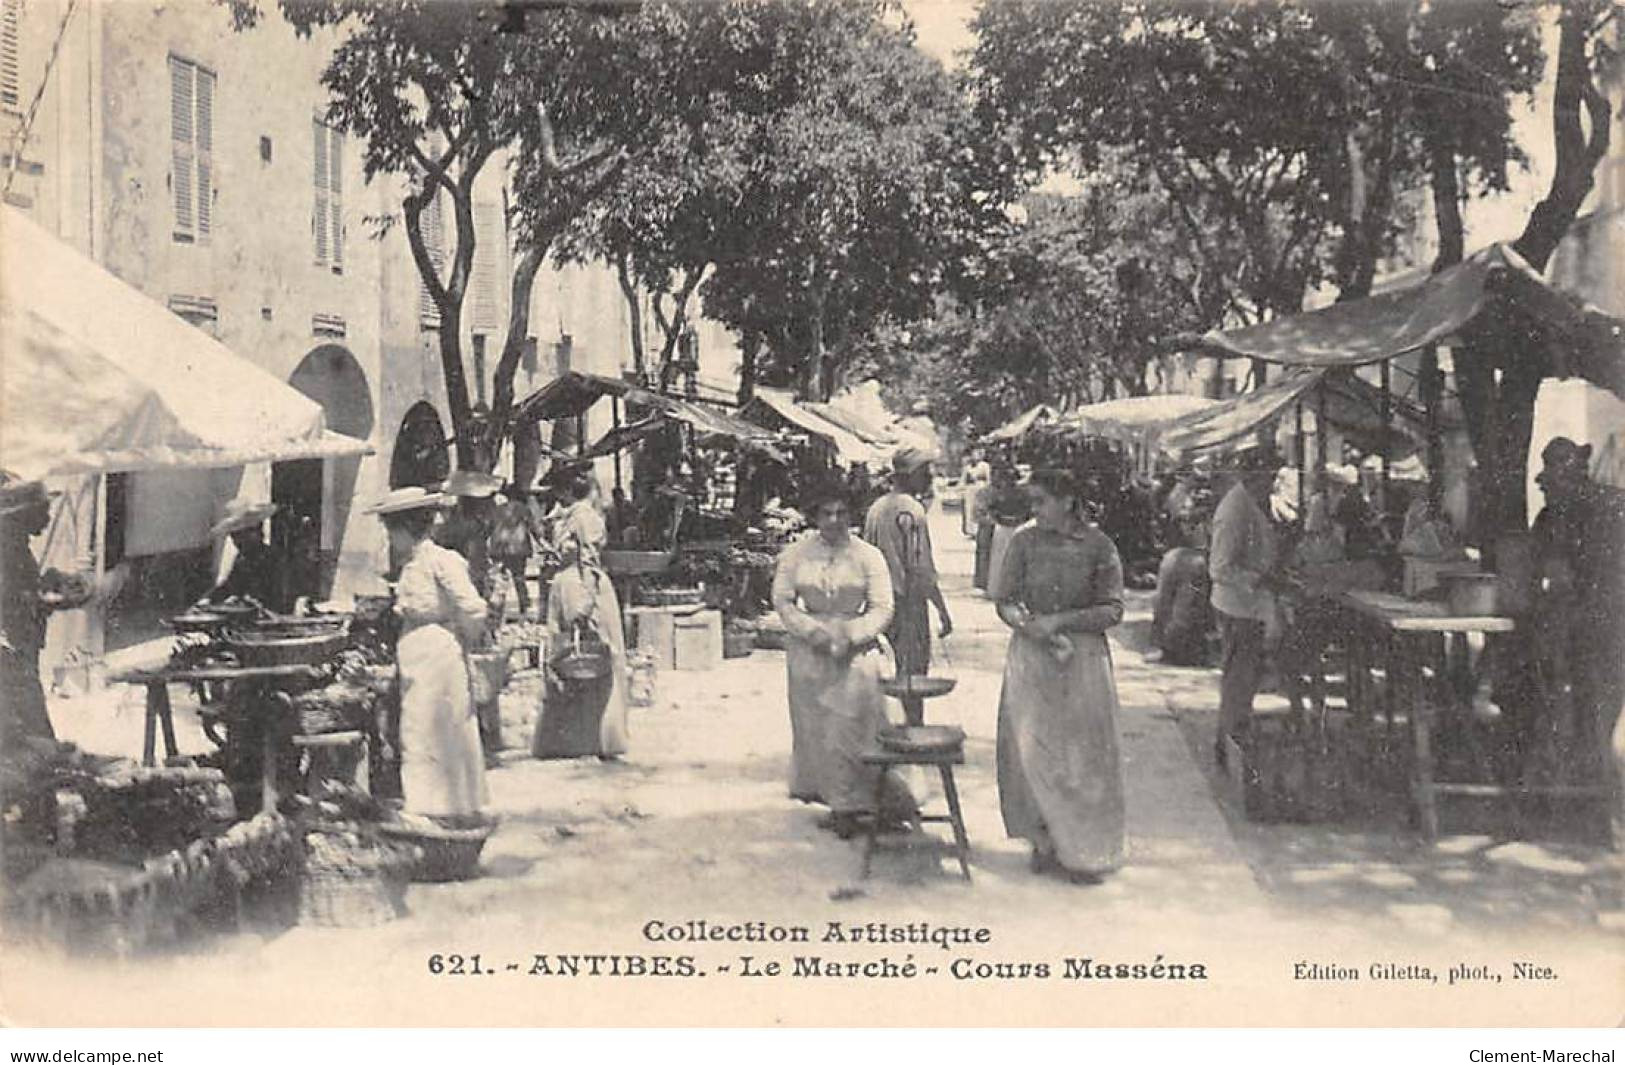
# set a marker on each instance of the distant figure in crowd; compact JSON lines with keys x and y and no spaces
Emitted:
{"x":1242,"y":555}
{"x":1322,"y":539}
{"x":1010,"y":512}
{"x":1182,"y":616}
{"x":623,"y":519}
{"x":27,"y":598}
{"x":583,"y":717}
{"x":1579,"y":607}
{"x":581,"y":518}
{"x":441,"y":614}
{"x":896,"y":524}
{"x":976,"y":477}
{"x":1060,"y":772}
{"x":253,"y":574}
{"x":1355,"y":517}
{"x":467,"y":530}
{"x":511,"y":542}
{"x":833,"y":593}
{"x":1001,"y":483}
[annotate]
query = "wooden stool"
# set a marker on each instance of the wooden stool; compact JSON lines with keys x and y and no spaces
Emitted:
{"x":945,"y":762}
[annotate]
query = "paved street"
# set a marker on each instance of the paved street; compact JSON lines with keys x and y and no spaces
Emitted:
{"x":695,"y":824}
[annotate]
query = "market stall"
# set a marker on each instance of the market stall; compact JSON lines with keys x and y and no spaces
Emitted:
{"x":1413,"y":645}
{"x":685,"y":553}
{"x":100,"y":379}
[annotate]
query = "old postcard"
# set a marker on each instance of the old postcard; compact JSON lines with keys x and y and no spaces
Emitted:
{"x":842,"y":513}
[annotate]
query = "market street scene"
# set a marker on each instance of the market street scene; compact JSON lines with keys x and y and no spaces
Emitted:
{"x":852,"y":505}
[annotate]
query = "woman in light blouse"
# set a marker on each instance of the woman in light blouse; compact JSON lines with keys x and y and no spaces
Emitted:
{"x":834,"y":596}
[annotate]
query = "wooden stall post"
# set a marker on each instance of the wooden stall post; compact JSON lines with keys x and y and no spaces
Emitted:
{"x":1303,"y":467}
{"x":1431,"y":385}
{"x":1387,"y":420}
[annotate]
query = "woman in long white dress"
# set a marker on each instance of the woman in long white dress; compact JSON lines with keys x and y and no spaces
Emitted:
{"x":441,"y":612}
{"x":833,"y":593}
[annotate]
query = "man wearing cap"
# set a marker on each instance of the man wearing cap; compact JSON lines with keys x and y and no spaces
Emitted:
{"x":26,"y":598}
{"x":254,"y":573}
{"x":1579,"y":556}
{"x":1241,"y":557}
{"x":896,"y":523}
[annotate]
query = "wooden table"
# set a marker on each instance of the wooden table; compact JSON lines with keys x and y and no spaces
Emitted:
{"x":1416,"y":640}
{"x":159,"y":713}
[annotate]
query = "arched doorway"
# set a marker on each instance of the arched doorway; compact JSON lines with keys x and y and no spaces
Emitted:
{"x":421,"y":456}
{"x":313,"y":496}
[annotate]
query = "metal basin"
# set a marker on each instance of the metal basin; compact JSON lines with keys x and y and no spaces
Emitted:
{"x":915,"y":686}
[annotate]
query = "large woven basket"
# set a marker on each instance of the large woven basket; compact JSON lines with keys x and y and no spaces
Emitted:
{"x":445,"y":853}
{"x":353,"y":881}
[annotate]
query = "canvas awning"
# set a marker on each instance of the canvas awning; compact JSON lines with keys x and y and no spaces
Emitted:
{"x":572,"y":393}
{"x":100,"y":378}
{"x":1349,"y":403}
{"x":1131,"y":418}
{"x":850,"y":448}
{"x":1581,"y":340}
{"x":1021,"y":424}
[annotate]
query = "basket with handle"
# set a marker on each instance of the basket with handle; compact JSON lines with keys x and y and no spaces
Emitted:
{"x":586,"y":658}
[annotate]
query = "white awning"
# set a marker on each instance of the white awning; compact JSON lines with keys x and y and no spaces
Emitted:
{"x":98,"y":377}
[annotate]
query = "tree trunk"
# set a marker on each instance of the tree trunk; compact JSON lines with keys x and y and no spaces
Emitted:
{"x":1577,"y":154}
{"x":750,"y":347}
{"x":1500,"y":416}
{"x":513,"y":346}
{"x":629,"y":289}
{"x":1446,"y":199}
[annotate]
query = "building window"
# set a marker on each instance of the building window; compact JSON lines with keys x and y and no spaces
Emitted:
{"x":199,"y":311}
{"x":328,"y":214}
{"x":191,"y":111}
{"x":432,"y":223}
{"x":11,"y":89}
{"x":479,"y":368}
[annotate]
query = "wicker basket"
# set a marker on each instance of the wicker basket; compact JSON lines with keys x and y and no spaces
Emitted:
{"x":445,"y":853}
{"x":353,"y":881}
{"x":738,"y":643}
{"x":487,"y":674}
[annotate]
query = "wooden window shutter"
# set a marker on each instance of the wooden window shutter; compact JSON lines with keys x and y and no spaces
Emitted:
{"x":434,"y":243}
{"x":490,"y":254}
{"x":183,"y":165}
{"x":335,"y":197}
{"x":11,"y":95}
{"x":321,"y":213}
{"x":203,"y":148}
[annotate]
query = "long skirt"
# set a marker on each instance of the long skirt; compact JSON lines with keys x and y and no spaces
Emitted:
{"x":836,"y":710}
{"x":1001,"y":546}
{"x":586,"y":717}
{"x":1059,"y":768}
{"x":967,"y":509}
{"x":442,"y":769}
{"x":984,"y":554}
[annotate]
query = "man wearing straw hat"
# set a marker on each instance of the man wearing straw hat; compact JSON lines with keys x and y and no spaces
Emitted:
{"x":26,"y":598}
{"x":1242,"y":556}
{"x":254,"y":573}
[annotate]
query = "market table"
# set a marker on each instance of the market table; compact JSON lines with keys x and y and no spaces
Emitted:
{"x":1420,"y":640}
{"x":159,"y":713}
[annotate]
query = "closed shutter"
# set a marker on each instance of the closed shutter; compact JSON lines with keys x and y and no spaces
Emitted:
{"x":11,"y":12}
{"x":434,"y":242}
{"x":183,"y":165}
{"x":490,"y":258}
{"x":203,"y":148}
{"x":321,"y":213}
{"x":335,"y":197}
